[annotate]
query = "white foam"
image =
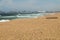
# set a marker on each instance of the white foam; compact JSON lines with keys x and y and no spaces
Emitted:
{"x":4,"y":20}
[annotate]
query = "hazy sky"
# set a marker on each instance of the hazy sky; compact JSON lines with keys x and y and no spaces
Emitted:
{"x":29,"y":5}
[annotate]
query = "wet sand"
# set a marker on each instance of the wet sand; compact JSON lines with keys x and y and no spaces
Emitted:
{"x":39,"y":28}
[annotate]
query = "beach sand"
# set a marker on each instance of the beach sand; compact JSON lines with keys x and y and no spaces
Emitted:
{"x":39,"y":28}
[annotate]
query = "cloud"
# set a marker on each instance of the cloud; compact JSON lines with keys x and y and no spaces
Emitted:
{"x":11,"y":4}
{"x":29,"y":5}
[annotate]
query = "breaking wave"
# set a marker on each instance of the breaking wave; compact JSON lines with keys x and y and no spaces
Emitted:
{"x":20,"y":16}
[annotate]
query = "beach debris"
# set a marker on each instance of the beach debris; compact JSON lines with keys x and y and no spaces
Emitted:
{"x":51,"y":17}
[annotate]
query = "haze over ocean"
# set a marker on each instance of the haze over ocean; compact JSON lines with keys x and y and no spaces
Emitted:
{"x":8,"y":5}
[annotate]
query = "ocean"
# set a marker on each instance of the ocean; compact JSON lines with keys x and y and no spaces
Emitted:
{"x":33,"y":15}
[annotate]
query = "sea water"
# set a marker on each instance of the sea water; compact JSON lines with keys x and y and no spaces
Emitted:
{"x":34,"y":15}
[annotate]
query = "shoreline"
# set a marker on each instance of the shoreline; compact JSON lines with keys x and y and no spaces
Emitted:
{"x":31,"y":29}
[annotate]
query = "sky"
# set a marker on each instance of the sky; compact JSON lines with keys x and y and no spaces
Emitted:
{"x":50,"y":5}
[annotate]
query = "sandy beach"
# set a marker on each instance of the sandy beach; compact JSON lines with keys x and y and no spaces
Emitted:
{"x":39,"y":28}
